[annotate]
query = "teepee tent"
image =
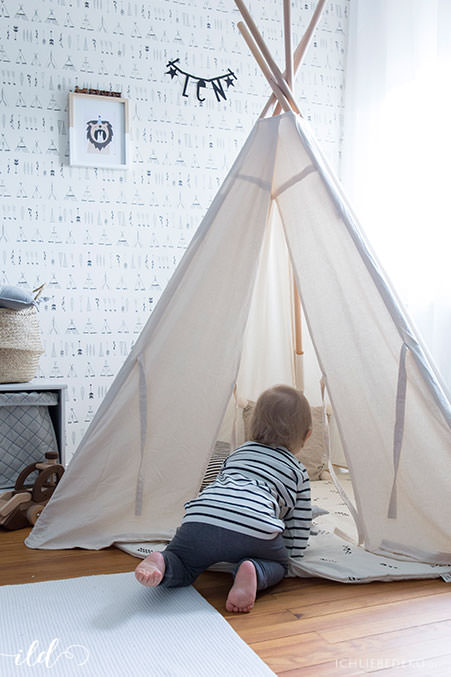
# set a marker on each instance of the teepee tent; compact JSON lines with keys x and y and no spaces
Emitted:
{"x":224,"y":328}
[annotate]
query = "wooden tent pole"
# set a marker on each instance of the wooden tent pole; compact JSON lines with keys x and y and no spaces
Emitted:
{"x":299,"y":53}
{"x":297,"y":319}
{"x":280,"y":96}
{"x":287,"y":39}
{"x":273,"y":67}
{"x":272,"y":99}
{"x":305,"y":41}
{"x":299,"y":372}
{"x":299,"y":352}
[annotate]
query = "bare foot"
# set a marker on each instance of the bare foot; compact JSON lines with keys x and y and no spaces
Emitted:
{"x":242,"y":594}
{"x":151,"y":570}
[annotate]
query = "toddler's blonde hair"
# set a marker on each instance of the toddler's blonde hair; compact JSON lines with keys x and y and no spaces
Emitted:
{"x":282,"y":417}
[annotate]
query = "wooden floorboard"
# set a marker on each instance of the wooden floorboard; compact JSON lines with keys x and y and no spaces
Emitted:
{"x":306,"y":627}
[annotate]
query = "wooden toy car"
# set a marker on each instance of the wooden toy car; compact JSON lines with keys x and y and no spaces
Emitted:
{"x":23,"y":505}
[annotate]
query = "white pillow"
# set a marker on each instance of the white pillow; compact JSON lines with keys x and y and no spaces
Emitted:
{"x":15,"y":298}
{"x":313,"y":453}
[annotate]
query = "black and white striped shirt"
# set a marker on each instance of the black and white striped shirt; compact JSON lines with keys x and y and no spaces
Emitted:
{"x":260,"y":491}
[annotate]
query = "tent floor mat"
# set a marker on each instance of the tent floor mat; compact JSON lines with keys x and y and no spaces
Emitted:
{"x":329,"y":555}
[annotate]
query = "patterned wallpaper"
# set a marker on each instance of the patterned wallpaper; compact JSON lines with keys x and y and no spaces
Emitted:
{"x":106,"y":241}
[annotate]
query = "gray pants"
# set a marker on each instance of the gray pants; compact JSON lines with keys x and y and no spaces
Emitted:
{"x":196,"y":546}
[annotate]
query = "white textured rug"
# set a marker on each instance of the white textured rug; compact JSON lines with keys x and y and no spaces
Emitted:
{"x":112,"y":626}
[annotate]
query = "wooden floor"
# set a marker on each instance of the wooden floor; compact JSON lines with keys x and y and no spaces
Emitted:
{"x":310,"y":627}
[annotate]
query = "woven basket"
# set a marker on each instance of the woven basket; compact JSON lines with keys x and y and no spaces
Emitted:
{"x":20,"y":344}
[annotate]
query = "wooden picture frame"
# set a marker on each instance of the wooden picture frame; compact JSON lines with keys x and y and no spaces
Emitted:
{"x":98,"y":131}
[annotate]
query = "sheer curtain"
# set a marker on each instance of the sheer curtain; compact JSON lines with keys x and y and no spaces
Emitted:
{"x":396,"y":163}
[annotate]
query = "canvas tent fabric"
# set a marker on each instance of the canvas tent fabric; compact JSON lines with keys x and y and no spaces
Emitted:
{"x":148,"y":446}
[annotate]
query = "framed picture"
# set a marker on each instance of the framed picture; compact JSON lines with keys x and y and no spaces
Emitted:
{"x":98,"y":131}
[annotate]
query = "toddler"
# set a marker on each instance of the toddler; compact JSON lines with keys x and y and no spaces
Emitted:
{"x":256,"y":514}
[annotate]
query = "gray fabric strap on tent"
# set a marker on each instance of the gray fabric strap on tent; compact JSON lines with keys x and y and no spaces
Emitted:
{"x":330,"y":467}
{"x":143,"y":430}
{"x":255,"y":180}
{"x":399,"y":427}
{"x":293,"y":181}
